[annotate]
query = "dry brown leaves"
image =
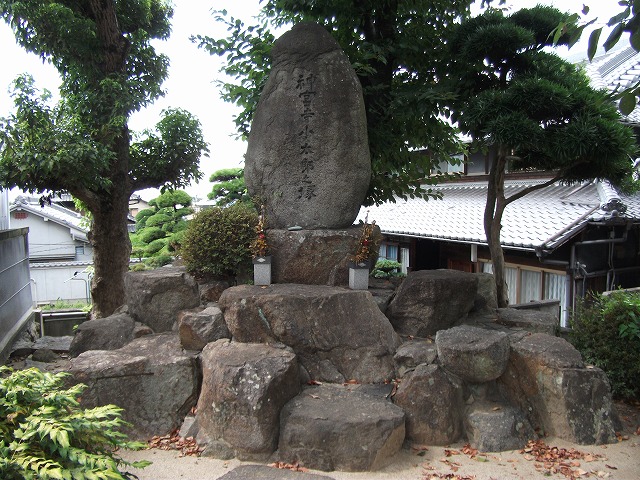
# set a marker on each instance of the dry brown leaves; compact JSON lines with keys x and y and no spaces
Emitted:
{"x":448,"y":476}
{"x":550,"y":460}
{"x":173,"y":441}
{"x":289,"y":466}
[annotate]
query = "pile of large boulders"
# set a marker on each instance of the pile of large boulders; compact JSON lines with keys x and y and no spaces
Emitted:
{"x":307,"y":371}
{"x":319,"y":375}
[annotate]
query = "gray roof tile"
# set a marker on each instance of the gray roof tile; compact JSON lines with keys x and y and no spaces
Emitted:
{"x":545,"y":218}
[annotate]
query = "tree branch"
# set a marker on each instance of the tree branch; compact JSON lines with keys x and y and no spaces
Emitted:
{"x":529,"y":189}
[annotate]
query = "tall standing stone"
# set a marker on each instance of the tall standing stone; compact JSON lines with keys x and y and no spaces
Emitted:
{"x":308,"y":154}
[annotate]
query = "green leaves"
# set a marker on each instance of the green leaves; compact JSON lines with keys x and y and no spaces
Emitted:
{"x":44,"y":434}
{"x":397,"y":51}
{"x":217,"y":240}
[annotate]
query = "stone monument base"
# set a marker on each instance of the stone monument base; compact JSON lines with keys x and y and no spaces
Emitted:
{"x":313,"y":257}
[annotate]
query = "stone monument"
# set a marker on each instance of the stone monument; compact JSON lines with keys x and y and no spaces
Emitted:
{"x":308,"y":155}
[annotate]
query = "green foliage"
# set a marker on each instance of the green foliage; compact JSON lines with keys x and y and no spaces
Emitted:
{"x":148,"y":235}
{"x":109,"y":69}
{"x":141,"y":217}
{"x":531,"y":103}
{"x":605,"y":331}
{"x":229,"y":187}
{"x":217,"y":241}
{"x":154,"y":247}
{"x":64,"y":305}
{"x":533,"y":109}
{"x":387,"y":269}
{"x":624,"y":22}
{"x":46,"y":435}
{"x":160,"y":228}
{"x":397,"y":50}
{"x":158,"y":261}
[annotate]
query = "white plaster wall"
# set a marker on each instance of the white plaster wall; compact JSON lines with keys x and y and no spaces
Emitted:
{"x":46,"y":239}
{"x":53,"y":283}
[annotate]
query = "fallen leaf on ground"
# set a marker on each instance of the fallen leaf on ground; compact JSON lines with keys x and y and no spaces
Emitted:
{"x":289,"y":466}
{"x":469,"y":451}
{"x":448,"y":476}
{"x":173,"y":441}
{"x":557,"y":460}
{"x":449,"y":452}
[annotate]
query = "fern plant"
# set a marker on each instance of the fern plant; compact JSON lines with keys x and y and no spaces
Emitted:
{"x":46,"y":435}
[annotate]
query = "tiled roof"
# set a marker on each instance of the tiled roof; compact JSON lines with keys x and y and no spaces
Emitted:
{"x":616,"y":70}
{"x":544,"y":219}
{"x":53,"y":212}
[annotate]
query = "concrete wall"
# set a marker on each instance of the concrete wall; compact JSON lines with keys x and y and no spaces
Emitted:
{"x":16,"y":305}
{"x":4,"y":210}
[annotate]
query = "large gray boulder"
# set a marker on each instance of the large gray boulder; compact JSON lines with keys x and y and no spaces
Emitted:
{"x":200,"y":326}
{"x":331,"y":427}
{"x":312,"y":257}
{"x":244,"y":387}
{"x":474,"y":354}
{"x":338,"y":334}
{"x":432,"y":402}
{"x":151,"y":378}
{"x":432,"y":300}
{"x":531,"y":320}
{"x":156,"y":296}
{"x":109,"y":333}
{"x":494,"y":427}
{"x":548,"y":380}
{"x":264,"y":472}
{"x":486,"y":302}
{"x":308,"y":153}
{"x":413,"y":353}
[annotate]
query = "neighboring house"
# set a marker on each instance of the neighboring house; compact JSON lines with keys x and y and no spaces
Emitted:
{"x":136,"y":203}
{"x":559,"y":242}
{"x":60,"y":255}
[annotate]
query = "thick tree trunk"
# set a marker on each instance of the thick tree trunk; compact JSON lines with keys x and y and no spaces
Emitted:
{"x":111,"y":251}
{"x":494,"y":209}
{"x":109,"y":234}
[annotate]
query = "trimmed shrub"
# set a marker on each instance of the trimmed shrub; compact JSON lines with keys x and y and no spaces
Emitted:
{"x":387,"y":269}
{"x":158,"y":220}
{"x":150,"y":234}
{"x":158,"y":261}
{"x":603,"y":332}
{"x":155,"y":246}
{"x":44,"y":434}
{"x":141,"y":217}
{"x":216,"y":242}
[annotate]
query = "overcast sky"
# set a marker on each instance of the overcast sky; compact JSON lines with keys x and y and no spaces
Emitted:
{"x":191,"y":84}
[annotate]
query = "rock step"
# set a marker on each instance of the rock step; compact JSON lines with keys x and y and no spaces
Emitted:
{"x":341,"y":427}
{"x":261,"y":472}
{"x":495,"y":427}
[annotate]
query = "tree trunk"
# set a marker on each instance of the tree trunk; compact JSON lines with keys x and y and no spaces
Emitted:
{"x":494,"y":209}
{"x":109,"y":234}
{"x":111,"y":251}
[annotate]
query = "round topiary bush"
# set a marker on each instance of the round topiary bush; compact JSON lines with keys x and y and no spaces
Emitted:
{"x":216,"y":242}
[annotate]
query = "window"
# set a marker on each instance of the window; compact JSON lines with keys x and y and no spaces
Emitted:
{"x":20,"y":215}
{"x":388,"y":251}
{"x":526,"y":284}
{"x":79,"y":250}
